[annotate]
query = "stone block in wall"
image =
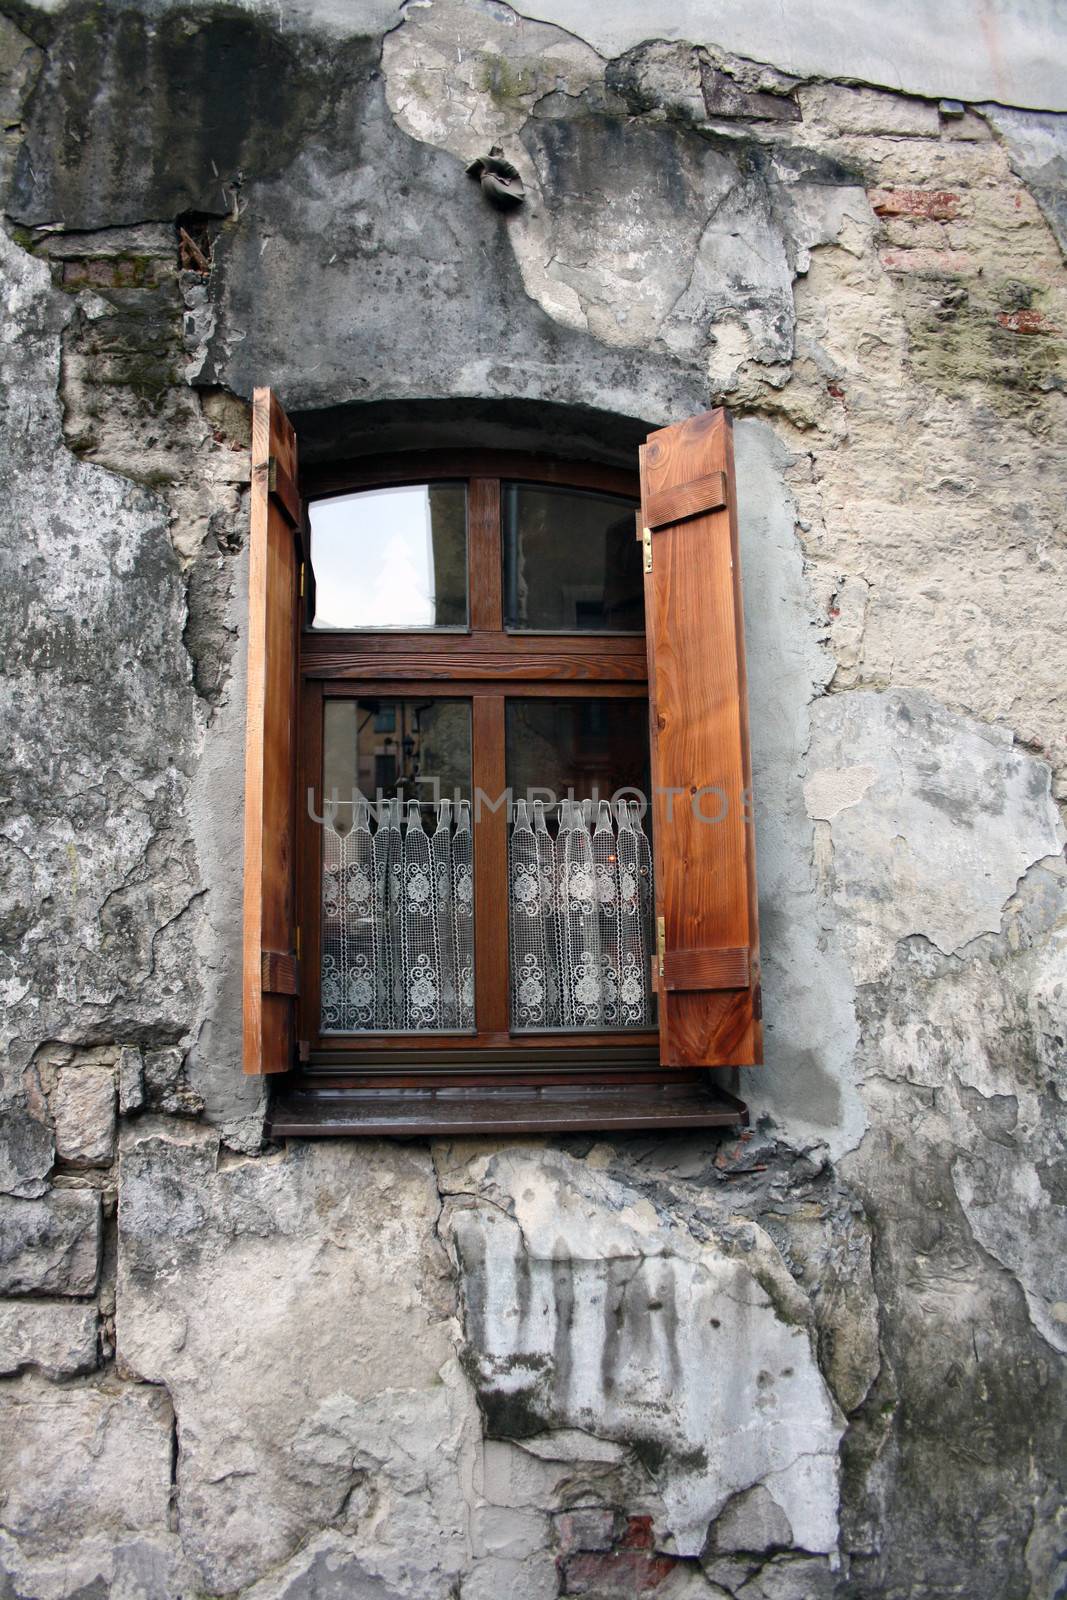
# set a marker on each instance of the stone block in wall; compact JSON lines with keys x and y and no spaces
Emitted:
{"x":20,"y":62}
{"x":83,"y":1112}
{"x":85,"y":1473}
{"x":166,"y":1086}
{"x":839,"y":109}
{"x":26,"y":1148}
{"x":56,"y":1337}
{"x":50,"y":1246}
{"x":130,"y":1073}
{"x":725,"y":99}
{"x":312,"y":1287}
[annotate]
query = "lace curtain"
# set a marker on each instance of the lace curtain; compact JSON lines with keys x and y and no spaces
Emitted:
{"x":398,"y":922}
{"x":580,"y":918}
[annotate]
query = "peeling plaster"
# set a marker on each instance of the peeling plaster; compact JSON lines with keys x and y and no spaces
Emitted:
{"x":880,"y":286}
{"x":951,"y":817}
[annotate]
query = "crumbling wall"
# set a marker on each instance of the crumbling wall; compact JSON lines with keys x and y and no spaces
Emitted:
{"x":822,"y":1359}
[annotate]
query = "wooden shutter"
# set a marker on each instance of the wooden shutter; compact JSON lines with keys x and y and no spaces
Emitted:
{"x":271,"y":967}
{"x":707,"y":966}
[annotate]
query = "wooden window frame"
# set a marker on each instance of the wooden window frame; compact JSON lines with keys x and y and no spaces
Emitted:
{"x":485,"y":665}
{"x":690,"y":665}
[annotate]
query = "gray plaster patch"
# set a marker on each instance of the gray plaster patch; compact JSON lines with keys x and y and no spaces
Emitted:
{"x":1016,"y":58}
{"x":354,"y":300}
{"x":941,"y":836}
{"x":98,"y":708}
{"x":638,"y":229}
{"x":809,"y":1021}
{"x":1012,"y":56}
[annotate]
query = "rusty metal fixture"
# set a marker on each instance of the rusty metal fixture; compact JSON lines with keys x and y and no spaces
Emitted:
{"x":500,"y":181}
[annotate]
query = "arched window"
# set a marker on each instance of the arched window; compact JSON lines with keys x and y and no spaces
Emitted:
{"x":457,"y":915}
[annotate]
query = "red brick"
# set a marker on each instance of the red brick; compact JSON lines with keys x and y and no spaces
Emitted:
{"x":929,"y":263}
{"x":1026,"y":322}
{"x":937,"y":205}
{"x":621,"y":1575}
{"x":637,"y":1534}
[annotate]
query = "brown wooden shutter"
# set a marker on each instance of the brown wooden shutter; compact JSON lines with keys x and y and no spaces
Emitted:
{"x":707,"y":967}
{"x":271,"y":967}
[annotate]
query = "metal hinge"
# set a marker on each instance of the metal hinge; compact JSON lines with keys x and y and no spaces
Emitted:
{"x":272,"y":474}
{"x":298,"y":943}
{"x":301,"y":580}
{"x":661,"y":943}
{"x":646,"y":545}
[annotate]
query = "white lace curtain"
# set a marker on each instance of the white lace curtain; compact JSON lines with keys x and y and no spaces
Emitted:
{"x":580,"y":918}
{"x":398,"y":922}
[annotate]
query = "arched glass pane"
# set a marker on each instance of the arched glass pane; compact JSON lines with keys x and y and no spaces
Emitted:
{"x":571,"y":561}
{"x":390,"y":558}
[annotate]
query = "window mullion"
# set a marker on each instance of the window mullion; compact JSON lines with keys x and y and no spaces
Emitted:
{"x":484,"y":556}
{"x":490,"y":865}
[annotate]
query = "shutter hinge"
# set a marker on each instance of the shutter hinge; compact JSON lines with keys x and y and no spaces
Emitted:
{"x":272,"y":474}
{"x":646,"y":545}
{"x":301,"y":580}
{"x":757,"y":1003}
{"x":298,"y":943}
{"x":661,"y":943}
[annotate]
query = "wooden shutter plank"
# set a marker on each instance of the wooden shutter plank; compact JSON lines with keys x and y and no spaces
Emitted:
{"x":706,"y":969}
{"x":686,"y":500}
{"x":701,"y":771}
{"x":275,"y":553}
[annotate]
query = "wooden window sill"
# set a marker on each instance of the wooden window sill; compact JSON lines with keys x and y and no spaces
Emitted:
{"x":502,"y":1108}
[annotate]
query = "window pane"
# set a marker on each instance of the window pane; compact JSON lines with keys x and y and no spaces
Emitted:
{"x":580,"y":895}
{"x":391,"y":558}
{"x":397,"y":867}
{"x":571,"y":562}
{"x":589,"y":746}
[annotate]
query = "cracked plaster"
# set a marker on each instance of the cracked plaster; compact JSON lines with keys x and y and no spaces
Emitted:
{"x":908,"y":427}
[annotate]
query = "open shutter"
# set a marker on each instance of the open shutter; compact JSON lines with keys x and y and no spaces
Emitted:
{"x":707,"y":966}
{"x":271,"y":969}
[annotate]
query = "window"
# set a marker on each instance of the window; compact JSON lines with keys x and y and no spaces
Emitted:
{"x":475,"y":896}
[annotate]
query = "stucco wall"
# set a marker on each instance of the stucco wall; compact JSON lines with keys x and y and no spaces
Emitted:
{"x":822,"y":1360}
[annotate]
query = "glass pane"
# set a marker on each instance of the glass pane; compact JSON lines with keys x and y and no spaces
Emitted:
{"x":586,"y":747}
{"x":571,"y":562}
{"x":391,"y":558}
{"x":580,"y":893}
{"x":397,"y":867}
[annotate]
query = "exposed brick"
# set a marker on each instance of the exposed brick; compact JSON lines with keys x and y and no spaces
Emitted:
{"x":938,"y":205}
{"x":591,"y":1529}
{"x":616,"y":1576}
{"x":637,"y":1534}
{"x":930,"y":263}
{"x":1026,"y":322}
{"x":114,"y":274}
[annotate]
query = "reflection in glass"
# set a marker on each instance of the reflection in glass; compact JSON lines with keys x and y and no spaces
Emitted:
{"x":391,"y":558}
{"x":580,"y":894}
{"x":571,"y":561}
{"x":415,"y":749}
{"x":587,"y":747}
{"x":397,"y":871}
